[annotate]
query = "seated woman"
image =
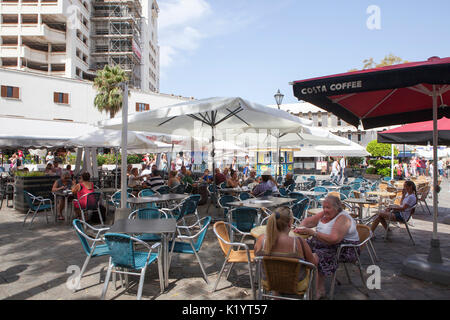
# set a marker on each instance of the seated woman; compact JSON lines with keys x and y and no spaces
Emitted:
{"x":233,"y":181}
{"x":398,"y":213}
{"x":134,"y":180}
{"x":64,"y":183}
{"x":334,"y":226}
{"x":82,"y":188}
{"x":277,"y":242}
{"x":49,"y":170}
{"x":264,"y":185}
{"x":174,"y":181}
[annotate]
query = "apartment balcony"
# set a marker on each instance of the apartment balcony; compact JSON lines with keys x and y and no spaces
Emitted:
{"x":32,"y":7}
{"x":32,"y":54}
{"x":33,"y":30}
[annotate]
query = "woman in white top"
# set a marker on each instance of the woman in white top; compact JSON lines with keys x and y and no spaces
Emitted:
{"x":400,"y":213}
{"x":335,"y":170}
{"x":334,"y":226}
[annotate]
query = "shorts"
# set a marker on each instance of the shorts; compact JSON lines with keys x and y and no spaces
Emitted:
{"x":398,"y":216}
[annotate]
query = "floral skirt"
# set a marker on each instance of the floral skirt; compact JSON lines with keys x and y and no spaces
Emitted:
{"x":327,"y":255}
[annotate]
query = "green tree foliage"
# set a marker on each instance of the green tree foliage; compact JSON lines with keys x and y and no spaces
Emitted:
{"x":388,"y":60}
{"x":109,"y":96}
{"x":380,"y":149}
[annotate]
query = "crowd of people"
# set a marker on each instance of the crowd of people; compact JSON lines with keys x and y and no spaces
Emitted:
{"x":419,"y":167}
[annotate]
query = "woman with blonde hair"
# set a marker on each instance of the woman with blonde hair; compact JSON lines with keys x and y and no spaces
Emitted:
{"x":277,"y":242}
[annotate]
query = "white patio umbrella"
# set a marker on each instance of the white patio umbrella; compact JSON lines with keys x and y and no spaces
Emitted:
{"x":226,"y":114}
{"x":352,"y":150}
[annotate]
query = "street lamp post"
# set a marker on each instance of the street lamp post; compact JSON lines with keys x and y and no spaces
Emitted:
{"x":278,"y":99}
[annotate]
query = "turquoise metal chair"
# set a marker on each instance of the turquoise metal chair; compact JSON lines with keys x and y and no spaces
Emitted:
{"x":299,"y":209}
{"x":187,"y":207}
{"x":189,"y":241}
{"x":147,"y":214}
{"x":124,"y":256}
{"x":162,"y":189}
{"x":148,"y":193}
{"x":345,"y":190}
{"x":93,"y":247}
{"x":291,"y":187}
{"x":316,"y":199}
{"x":283,"y":192}
{"x":36,"y":205}
{"x":243,"y":218}
{"x":223,"y":203}
{"x":115,"y":199}
{"x":245,"y":195}
{"x":297,"y":195}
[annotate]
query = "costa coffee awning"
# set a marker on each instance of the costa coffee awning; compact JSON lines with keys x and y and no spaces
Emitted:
{"x":384,"y":96}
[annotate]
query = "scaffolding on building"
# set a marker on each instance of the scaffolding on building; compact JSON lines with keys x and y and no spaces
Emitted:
{"x":116,"y":37}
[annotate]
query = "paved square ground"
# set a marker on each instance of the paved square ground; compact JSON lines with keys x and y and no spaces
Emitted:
{"x":34,"y":264}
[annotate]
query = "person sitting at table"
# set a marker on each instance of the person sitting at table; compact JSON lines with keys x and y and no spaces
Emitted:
{"x":145,"y":171}
{"x":264,"y":185}
{"x":64,"y":183}
{"x":129,"y":168}
{"x":273,"y":183}
{"x":187,"y":179}
{"x":79,"y":190}
{"x":289,"y":179}
{"x":69,"y":170}
{"x":57,"y":169}
{"x":277,"y":242}
{"x":155,"y":179}
{"x":174,"y":181}
{"x":233,"y":181}
{"x":182,"y":173}
{"x":219,"y":177}
{"x":49,"y":170}
{"x":334,"y":226}
{"x":398,"y":212}
{"x":134,"y":180}
{"x":206,"y":177}
{"x":226,"y":173}
{"x":250,"y":179}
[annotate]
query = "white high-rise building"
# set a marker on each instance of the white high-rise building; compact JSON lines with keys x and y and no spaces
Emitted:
{"x":74,"y":38}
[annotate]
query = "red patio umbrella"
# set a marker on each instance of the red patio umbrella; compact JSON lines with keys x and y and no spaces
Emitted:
{"x":420,"y":133}
{"x":391,"y":95}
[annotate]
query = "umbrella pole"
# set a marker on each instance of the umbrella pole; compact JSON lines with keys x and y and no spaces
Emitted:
{"x":392,"y":162}
{"x":123,"y":177}
{"x":116,"y":155}
{"x":435,"y":253}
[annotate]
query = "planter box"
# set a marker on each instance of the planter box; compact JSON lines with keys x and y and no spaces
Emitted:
{"x":37,"y":186}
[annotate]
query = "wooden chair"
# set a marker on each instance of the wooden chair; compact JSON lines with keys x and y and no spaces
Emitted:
{"x":281,"y":275}
{"x":364,"y":237}
{"x":422,"y":195}
{"x":405,"y":223}
{"x":231,"y":254}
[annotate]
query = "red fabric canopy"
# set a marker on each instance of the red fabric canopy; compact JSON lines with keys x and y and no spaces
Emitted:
{"x":425,"y":126}
{"x":384,"y":96}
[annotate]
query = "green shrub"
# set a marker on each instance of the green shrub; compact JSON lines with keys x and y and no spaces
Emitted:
{"x":386,"y":172}
{"x":371,"y":170}
{"x":30,"y":174}
{"x":354,"y":161}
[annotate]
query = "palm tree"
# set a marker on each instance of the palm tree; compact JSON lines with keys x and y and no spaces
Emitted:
{"x":109,"y":96}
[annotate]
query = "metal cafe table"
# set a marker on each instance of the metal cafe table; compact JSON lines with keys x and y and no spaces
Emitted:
{"x":135,"y":202}
{"x":262,"y":202}
{"x":164,"y":227}
{"x":361,"y":202}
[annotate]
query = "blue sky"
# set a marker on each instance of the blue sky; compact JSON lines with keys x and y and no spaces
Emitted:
{"x":251,"y":48}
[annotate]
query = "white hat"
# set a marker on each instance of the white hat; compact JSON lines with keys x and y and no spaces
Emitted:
{"x":268,"y":172}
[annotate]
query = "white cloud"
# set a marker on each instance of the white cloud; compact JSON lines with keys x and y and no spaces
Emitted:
{"x":181,"y":12}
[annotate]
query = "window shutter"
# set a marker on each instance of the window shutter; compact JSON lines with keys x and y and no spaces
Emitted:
{"x":16,"y":92}
{"x":3,"y":91}
{"x":137,"y":107}
{"x":147,"y":107}
{"x":66,"y":98}
{"x":55,"y":97}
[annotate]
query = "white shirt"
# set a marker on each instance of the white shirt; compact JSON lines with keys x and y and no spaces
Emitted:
{"x":440,"y":165}
{"x":410,"y":200}
{"x":335,"y":168}
{"x":145,"y":172}
{"x":342,"y":163}
{"x":352,"y":233}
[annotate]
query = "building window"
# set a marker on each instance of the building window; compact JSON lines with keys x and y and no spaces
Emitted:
{"x":140,"y":107}
{"x":10,"y":92}
{"x":349,"y":136}
{"x":339,"y":122}
{"x":60,"y":97}
{"x":359,"y":137}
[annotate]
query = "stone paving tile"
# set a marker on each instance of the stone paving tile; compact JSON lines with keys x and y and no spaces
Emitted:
{"x":33,"y":265}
